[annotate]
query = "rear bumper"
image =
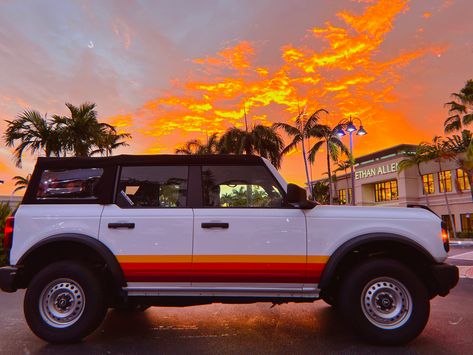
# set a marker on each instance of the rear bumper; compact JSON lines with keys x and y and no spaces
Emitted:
{"x":446,"y":277}
{"x":8,"y":278}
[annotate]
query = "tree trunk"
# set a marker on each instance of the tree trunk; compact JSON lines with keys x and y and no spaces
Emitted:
{"x":309,"y":185}
{"x":330,"y":198}
{"x":426,"y":193}
{"x":447,"y":204}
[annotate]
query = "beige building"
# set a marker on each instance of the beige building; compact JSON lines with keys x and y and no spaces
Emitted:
{"x":13,"y":201}
{"x":379,"y":183}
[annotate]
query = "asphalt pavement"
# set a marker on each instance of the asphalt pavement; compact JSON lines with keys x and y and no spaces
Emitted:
{"x":313,"y":328}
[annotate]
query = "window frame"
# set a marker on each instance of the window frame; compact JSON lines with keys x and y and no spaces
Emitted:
{"x":429,"y":184}
{"x":464,"y":178}
{"x":118,"y":178}
{"x":441,"y":186}
{"x":377,"y":192}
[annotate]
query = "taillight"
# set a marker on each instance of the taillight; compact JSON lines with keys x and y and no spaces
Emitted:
{"x":446,"y":243}
{"x":8,"y":235}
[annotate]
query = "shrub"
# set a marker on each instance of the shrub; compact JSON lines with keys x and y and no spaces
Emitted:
{"x":5,"y":211}
{"x":465,"y":234}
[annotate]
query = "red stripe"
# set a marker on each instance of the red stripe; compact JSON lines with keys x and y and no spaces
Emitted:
{"x":223,"y":272}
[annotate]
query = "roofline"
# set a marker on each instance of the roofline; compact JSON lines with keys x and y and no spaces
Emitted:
{"x":395,"y":150}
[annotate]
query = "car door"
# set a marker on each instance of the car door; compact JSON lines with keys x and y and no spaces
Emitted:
{"x":244,"y":238}
{"x":149,"y":228}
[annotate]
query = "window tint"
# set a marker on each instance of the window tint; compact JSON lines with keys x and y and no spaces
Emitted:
{"x":72,"y":183}
{"x":239,"y":186}
{"x":153,"y":186}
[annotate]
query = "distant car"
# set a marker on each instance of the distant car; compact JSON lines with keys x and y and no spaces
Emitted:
{"x":129,"y":231}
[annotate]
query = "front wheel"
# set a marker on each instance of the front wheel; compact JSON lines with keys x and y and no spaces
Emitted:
{"x":64,"y":302}
{"x":385,"y":302}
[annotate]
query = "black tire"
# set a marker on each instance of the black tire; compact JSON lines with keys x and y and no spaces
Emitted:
{"x":385,"y":302}
{"x":64,"y":302}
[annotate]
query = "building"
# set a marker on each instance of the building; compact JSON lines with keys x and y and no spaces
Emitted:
{"x":378,"y":182}
{"x":13,"y":201}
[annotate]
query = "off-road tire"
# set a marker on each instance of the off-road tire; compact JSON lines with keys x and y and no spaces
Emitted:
{"x":56,"y":285}
{"x":395,"y":306}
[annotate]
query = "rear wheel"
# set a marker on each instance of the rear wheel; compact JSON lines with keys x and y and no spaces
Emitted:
{"x":64,"y":302}
{"x":385,"y":302}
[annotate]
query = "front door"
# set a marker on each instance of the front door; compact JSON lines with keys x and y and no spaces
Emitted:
{"x":244,"y":238}
{"x":149,"y":228}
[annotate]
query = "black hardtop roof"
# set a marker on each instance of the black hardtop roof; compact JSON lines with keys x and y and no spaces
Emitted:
{"x":161,"y":159}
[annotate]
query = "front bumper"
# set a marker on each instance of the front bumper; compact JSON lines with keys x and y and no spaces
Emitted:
{"x":446,"y":277}
{"x":8,"y":278}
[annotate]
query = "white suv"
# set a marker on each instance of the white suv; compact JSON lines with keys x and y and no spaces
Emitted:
{"x":93,"y":233}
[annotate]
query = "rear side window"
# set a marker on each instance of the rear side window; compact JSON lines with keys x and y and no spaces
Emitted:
{"x":78,"y":184}
{"x":152,"y":187}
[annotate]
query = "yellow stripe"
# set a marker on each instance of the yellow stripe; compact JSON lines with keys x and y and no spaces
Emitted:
{"x":222,"y":258}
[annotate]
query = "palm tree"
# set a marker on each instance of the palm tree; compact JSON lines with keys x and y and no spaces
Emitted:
{"x":439,"y":150}
{"x":34,"y":133}
{"x":461,"y":109}
{"x":81,"y":131}
{"x":261,"y":140}
{"x":196,"y":147}
{"x":21,"y":183}
{"x":333,"y":145}
{"x":299,"y":132}
{"x":415,"y":159}
{"x":110,"y":141}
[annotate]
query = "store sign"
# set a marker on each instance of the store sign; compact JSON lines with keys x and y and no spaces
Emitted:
{"x":381,"y":170}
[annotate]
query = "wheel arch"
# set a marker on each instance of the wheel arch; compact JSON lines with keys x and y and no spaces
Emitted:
{"x":81,"y":245}
{"x":375,"y":244}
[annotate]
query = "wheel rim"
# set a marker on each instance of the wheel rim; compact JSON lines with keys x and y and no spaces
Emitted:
{"x":386,"y":303}
{"x":62,"y":303}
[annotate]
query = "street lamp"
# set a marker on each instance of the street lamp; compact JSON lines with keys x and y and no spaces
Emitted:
{"x":350,"y":128}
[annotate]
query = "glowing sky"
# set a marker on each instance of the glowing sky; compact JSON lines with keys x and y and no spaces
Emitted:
{"x":170,"y":71}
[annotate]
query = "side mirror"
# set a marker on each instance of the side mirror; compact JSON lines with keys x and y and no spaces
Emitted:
{"x":295,"y":194}
{"x":298,"y":196}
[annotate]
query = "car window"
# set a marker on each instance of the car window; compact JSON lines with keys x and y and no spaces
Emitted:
{"x":240,"y":186}
{"x":152,"y":186}
{"x":69,"y":184}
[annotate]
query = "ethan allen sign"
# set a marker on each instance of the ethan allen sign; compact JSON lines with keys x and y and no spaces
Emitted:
{"x":380,"y":170}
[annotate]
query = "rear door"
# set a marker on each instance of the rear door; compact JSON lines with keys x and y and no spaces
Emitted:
{"x":244,"y":238}
{"x":149,"y":228}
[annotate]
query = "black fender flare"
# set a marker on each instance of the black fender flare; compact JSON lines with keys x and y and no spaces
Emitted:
{"x":93,"y":243}
{"x":350,"y":245}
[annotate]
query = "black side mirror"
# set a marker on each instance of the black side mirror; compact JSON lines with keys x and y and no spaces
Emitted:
{"x":297,"y":195}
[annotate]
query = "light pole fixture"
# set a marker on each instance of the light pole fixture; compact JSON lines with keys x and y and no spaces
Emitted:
{"x":2,"y":182}
{"x":349,"y":126}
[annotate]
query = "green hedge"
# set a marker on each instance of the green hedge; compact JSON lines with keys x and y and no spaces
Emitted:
{"x":465,"y":235}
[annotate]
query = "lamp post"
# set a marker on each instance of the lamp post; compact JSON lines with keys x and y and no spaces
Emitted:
{"x":350,"y":128}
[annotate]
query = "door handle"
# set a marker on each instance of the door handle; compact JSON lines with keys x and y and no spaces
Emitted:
{"x":121,"y":225}
{"x":215,"y":225}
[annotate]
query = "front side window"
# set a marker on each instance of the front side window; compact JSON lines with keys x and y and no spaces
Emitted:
{"x":428,"y":182}
{"x":79,"y":184}
{"x":240,"y":186}
{"x":386,"y":191}
{"x":152,"y":187}
{"x":462,"y":180}
{"x":445,"y":181}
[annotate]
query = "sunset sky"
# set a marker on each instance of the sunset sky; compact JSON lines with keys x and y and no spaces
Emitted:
{"x":170,"y":71}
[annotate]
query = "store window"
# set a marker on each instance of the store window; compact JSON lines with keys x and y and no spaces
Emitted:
{"x":467,"y":222}
{"x":386,"y":191}
{"x":462,"y":180}
{"x":445,"y":181}
{"x":448,"y":223}
{"x":428,"y":182}
{"x":344,"y":196}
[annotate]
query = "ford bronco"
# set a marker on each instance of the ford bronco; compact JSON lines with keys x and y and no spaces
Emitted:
{"x":169,"y":230}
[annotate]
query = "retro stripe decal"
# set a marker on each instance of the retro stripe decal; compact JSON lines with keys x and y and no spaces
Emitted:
{"x":223,"y":268}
